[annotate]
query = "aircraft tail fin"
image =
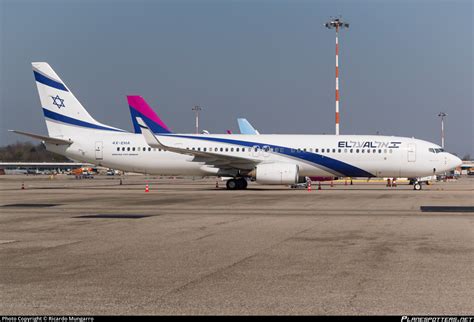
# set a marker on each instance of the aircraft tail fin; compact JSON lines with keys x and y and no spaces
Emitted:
{"x":62,"y":111}
{"x":245,"y":127}
{"x":140,"y":109}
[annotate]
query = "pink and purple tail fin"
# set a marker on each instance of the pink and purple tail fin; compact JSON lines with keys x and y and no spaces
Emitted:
{"x":140,"y":108}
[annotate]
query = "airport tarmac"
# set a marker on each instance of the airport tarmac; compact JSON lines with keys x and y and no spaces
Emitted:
{"x":186,"y":247}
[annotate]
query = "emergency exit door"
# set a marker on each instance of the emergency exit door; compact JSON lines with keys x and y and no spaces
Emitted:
{"x":411,"y":152}
{"x":98,"y":150}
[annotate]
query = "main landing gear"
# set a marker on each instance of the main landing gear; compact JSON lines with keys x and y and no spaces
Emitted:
{"x":417,"y":185}
{"x":236,"y":184}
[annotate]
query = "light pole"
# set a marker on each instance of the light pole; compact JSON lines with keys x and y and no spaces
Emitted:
{"x":197,"y":109}
{"x":337,"y":23}
{"x":442,"y":115}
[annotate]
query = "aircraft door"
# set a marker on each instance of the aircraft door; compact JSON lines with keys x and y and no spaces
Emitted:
{"x":411,"y":152}
{"x":99,"y":150}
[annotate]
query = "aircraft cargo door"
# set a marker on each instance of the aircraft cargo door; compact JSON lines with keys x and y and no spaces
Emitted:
{"x":411,"y":152}
{"x":98,"y":150}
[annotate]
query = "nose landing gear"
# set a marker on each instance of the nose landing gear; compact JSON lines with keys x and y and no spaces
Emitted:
{"x":236,"y":184}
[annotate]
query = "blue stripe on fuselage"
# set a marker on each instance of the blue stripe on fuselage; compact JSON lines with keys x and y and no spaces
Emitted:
{"x":69,"y":120}
{"x":49,"y":82}
{"x":327,"y":162}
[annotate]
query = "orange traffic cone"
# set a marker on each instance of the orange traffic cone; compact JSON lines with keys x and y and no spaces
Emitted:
{"x":319,"y":185}
{"x":217,"y":184}
{"x":146,"y":188}
{"x":22,"y":186}
{"x":309,"y":185}
{"x":389,"y":183}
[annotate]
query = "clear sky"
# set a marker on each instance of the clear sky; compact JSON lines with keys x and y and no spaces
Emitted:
{"x":401,"y":63}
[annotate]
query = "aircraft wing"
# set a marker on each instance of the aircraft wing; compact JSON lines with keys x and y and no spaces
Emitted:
{"x":46,"y":139}
{"x":209,"y":158}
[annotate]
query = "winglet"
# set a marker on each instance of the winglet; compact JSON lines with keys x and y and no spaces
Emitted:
{"x":139,"y":108}
{"x":150,"y":138}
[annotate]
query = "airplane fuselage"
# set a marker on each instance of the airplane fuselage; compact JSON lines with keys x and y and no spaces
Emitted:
{"x":315,"y":155}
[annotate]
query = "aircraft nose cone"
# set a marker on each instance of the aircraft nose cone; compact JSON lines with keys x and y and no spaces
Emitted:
{"x":454,"y":162}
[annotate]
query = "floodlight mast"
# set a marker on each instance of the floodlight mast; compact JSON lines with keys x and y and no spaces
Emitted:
{"x":337,"y":23}
{"x":196,"y":109}
{"x":442,"y":115}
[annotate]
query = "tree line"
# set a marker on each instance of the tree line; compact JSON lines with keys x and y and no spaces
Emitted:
{"x":29,"y":152}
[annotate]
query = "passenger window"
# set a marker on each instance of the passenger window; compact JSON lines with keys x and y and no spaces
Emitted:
{"x":199,"y":149}
{"x":138,"y":149}
{"x":362,"y":151}
{"x":237,"y":150}
{"x":345,"y":150}
{"x":226,"y":149}
{"x":304,"y":149}
{"x":123,"y":148}
{"x":357,"y":150}
{"x":193,"y":149}
{"x":380,"y":150}
{"x":368,"y":150}
{"x":385,"y":151}
{"x":374,"y":151}
{"x":118,"y":148}
{"x":322,"y":150}
{"x":339,"y":151}
{"x":204,"y":149}
{"x":231,"y":149}
{"x":316,"y":150}
{"x":351,"y":150}
{"x":333,"y":150}
{"x":222,"y":149}
{"x":390,"y":151}
{"x":133,"y":149}
{"x":128,"y":148}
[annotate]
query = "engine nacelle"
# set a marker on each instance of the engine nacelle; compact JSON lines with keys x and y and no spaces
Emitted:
{"x":276,"y":173}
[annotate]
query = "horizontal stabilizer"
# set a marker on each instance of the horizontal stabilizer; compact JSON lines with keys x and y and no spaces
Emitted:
{"x":46,"y":139}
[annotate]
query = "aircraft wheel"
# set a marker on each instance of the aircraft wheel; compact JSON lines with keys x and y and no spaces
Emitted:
{"x":417,"y":186}
{"x":231,"y":184}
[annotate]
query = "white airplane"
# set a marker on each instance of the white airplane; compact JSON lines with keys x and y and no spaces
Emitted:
{"x":269,"y":159}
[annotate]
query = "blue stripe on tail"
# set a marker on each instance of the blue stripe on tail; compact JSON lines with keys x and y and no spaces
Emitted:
{"x":69,"y":120}
{"x":49,"y":82}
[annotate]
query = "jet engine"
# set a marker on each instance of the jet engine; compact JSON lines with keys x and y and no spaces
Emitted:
{"x":276,"y":173}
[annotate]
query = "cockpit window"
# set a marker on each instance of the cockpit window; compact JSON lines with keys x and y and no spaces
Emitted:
{"x":432,"y":150}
